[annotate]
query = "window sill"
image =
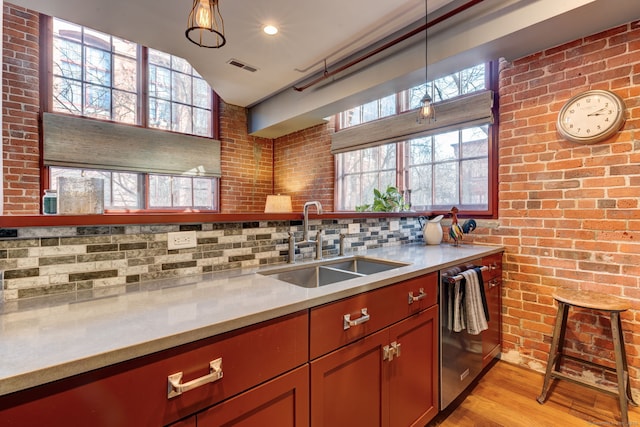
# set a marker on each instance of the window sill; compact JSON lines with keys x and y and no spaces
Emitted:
{"x":9,"y":221}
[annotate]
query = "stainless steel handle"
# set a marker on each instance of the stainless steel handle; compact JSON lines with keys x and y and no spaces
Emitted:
{"x":175,"y":388}
{"x":360,"y":320}
{"x":396,"y":347}
{"x":391,"y":350}
{"x":420,"y":296}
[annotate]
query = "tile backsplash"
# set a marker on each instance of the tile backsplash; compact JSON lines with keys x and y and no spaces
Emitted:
{"x":39,"y":261}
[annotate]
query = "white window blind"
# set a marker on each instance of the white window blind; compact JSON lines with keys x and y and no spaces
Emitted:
{"x":465,"y":111}
{"x":85,"y":143}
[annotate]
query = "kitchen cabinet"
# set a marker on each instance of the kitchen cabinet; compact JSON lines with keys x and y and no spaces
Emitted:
{"x":384,"y":374}
{"x":138,"y":392}
{"x":492,"y":337}
{"x":282,"y":402}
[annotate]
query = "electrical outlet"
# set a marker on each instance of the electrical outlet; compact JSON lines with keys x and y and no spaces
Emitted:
{"x":354,"y":228}
{"x":394,"y":225}
{"x":181,"y":240}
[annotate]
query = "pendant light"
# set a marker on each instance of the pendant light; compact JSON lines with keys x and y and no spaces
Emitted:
{"x":205,"y":26}
{"x":425,"y":110}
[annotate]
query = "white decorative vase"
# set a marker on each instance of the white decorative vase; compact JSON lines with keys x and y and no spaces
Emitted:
{"x":432,"y":232}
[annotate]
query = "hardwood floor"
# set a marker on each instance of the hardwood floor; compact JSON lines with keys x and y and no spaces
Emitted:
{"x":506,"y":397}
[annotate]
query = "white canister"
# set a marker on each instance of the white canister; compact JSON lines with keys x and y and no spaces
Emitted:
{"x":432,"y":231}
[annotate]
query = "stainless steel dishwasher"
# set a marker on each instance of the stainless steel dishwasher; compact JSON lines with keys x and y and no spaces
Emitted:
{"x":460,"y":352}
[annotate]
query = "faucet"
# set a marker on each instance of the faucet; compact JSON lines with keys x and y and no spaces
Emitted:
{"x":305,"y":211}
{"x":319,"y":244}
{"x":292,"y":248}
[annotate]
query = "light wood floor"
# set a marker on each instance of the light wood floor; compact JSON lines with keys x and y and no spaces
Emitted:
{"x":506,"y":397}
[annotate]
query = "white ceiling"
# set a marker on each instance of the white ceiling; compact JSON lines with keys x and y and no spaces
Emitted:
{"x":335,"y":30}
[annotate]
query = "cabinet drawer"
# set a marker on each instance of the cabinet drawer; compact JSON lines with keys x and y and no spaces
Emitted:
{"x":336,"y":324}
{"x":134,"y":393}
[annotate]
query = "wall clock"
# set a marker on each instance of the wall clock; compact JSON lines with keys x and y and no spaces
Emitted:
{"x":591,"y":116}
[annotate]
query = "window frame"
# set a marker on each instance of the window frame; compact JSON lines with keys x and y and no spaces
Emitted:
{"x":46,"y":106}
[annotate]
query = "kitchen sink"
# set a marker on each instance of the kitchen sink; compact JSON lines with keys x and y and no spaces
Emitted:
{"x":331,"y":271}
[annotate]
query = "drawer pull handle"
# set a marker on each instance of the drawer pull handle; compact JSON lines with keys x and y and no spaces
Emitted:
{"x":421,"y":295}
{"x":175,"y":388}
{"x":360,"y":320}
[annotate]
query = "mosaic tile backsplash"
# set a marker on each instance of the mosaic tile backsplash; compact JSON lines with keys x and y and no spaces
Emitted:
{"x":114,"y":259}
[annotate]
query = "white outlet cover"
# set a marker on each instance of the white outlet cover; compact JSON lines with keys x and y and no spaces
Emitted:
{"x":182,"y":240}
{"x":394,"y":225}
{"x":354,"y":228}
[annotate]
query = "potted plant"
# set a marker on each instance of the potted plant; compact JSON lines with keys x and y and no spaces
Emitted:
{"x":390,"y":200}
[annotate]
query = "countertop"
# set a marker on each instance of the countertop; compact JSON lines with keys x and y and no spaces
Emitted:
{"x":55,"y":341}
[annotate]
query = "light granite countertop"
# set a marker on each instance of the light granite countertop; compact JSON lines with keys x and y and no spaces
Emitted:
{"x":58,"y":340}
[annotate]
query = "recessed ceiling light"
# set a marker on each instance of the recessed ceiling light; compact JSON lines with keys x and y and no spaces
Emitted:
{"x":270,"y":29}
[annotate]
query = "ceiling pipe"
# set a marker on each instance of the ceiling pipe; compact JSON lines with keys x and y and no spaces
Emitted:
{"x":389,"y":44}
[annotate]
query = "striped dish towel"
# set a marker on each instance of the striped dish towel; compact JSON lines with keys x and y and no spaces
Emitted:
{"x":474,"y":304}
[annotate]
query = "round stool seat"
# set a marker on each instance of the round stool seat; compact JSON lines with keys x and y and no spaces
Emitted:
{"x":590,"y":299}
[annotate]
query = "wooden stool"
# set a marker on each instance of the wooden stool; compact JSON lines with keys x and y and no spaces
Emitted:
{"x":599,"y":302}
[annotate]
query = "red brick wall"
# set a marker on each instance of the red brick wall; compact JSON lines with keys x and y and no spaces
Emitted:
{"x":247,"y":164}
{"x":20,"y":106}
{"x":304,"y":166}
{"x":569,"y":214}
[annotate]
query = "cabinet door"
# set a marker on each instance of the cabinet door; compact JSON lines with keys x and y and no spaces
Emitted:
{"x":282,"y":402}
{"x":491,"y":338}
{"x":347,"y":386}
{"x":413,"y":383}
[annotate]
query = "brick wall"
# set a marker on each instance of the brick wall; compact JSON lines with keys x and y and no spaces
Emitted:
{"x":247,"y":164}
{"x":20,"y":106}
{"x":569,"y":214}
{"x":304,"y":166}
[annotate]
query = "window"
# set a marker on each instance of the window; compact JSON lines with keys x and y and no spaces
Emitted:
{"x":364,"y":170}
{"x":179,"y":99}
{"x":449,"y":169}
{"x":437,"y":168}
{"x":94,"y":74}
{"x":100,"y":76}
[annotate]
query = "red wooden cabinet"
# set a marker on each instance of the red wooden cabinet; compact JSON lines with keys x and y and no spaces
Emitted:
{"x":413,"y":377}
{"x":282,"y":402}
{"x":383,"y":307}
{"x":492,"y":337}
{"x":386,"y":378}
{"x":135,"y":393}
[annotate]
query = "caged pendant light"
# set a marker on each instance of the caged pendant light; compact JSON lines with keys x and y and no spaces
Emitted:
{"x":205,"y":26}
{"x":425,"y":110}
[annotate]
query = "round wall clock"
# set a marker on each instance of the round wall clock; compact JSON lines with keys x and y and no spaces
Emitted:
{"x":591,"y":116}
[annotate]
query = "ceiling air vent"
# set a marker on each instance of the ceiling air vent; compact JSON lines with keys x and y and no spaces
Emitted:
{"x":242,"y":65}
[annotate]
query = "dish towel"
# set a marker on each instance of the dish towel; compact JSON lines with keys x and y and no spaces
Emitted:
{"x":474,"y":301}
{"x":454,"y":295}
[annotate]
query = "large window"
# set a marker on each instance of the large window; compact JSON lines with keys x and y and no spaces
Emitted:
{"x":436,"y":169}
{"x":100,"y":76}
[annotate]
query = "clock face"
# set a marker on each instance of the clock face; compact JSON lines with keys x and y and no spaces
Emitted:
{"x":591,"y":116}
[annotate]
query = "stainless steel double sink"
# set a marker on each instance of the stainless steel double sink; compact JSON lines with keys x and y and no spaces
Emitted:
{"x":331,"y":271}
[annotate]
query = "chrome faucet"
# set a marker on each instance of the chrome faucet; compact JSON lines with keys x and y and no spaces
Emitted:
{"x":292,"y":248}
{"x":305,"y":211}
